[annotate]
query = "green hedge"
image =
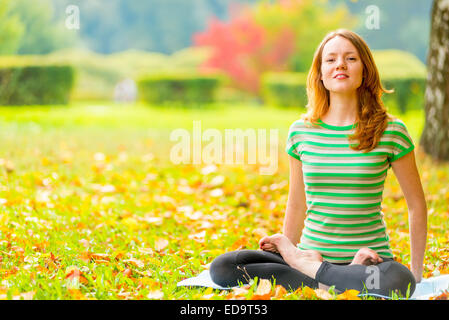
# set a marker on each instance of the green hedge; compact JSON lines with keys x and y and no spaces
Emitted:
{"x":35,"y":85}
{"x":408,"y":93}
{"x":287,"y":89}
{"x":184,"y":89}
{"x":406,"y":74}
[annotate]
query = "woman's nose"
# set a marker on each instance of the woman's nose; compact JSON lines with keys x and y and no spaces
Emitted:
{"x":341,"y":64}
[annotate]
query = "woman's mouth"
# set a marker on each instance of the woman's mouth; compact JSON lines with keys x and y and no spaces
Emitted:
{"x":341,"y":76}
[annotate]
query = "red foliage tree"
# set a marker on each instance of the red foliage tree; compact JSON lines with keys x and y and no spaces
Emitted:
{"x":244,"y":50}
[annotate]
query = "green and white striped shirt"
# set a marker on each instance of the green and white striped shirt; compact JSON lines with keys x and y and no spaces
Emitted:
{"x":344,"y":187}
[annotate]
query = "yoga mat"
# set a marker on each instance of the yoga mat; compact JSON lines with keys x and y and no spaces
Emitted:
{"x":424,"y":290}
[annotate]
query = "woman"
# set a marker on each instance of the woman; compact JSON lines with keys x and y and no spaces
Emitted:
{"x":334,"y":204}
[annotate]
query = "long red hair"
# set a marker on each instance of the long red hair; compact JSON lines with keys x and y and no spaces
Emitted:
{"x":372,"y":115}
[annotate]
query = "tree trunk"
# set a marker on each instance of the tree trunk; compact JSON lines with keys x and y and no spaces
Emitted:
{"x":435,"y":137}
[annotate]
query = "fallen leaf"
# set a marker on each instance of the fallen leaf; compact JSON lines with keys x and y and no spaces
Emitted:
{"x":24,"y":296}
{"x":238,"y":293}
{"x":147,"y":251}
{"x":199,"y":237}
{"x":442,"y":296}
{"x":263,"y":291}
{"x":279,"y":292}
{"x":155,"y":294}
{"x":77,"y":294}
{"x":349,"y":295}
{"x":135,"y":262}
{"x":74,"y":276}
{"x":161,"y":244}
{"x":323,"y":294}
{"x":100,"y":256}
{"x":127,"y":272}
{"x":308,"y":293}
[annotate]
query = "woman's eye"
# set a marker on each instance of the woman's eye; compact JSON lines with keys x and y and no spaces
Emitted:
{"x":351,"y":58}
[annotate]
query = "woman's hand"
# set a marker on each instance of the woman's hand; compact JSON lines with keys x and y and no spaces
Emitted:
{"x":269,"y":243}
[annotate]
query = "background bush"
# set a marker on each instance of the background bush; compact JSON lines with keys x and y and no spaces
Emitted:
{"x":406,"y":74}
{"x":178,"y":88}
{"x":287,"y":89}
{"x":35,"y":85}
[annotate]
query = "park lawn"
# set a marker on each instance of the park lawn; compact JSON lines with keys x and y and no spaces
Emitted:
{"x":93,"y":208}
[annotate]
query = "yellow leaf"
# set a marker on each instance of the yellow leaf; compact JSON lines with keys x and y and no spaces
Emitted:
{"x":199,"y":237}
{"x":100,"y":256}
{"x":25,"y":296}
{"x":323,"y":294}
{"x":308,"y":293}
{"x":135,"y":262}
{"x":77,"y":294}
{"x":161,"y":244}
{"x":349,"y":295}
{"x":155,"y":294}
{"x":263,"y":291}
{"x":279,"y":292}
{"x":131,"y":223}
{"x":240,"y":291}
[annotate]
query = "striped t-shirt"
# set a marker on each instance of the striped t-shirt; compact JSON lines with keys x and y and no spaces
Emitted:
{"x":344,"y":187}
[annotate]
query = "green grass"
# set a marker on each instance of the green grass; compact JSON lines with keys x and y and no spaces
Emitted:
{"x":89,"y":178}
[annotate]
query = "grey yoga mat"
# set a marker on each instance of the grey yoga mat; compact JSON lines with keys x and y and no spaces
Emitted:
{"x":424,"y":290}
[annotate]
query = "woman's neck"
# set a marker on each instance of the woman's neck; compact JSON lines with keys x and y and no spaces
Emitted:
{"x":342,"y":109}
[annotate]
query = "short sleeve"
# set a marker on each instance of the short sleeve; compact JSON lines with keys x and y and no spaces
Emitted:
{"x":293,"y":144}
{"x":402,"y":141}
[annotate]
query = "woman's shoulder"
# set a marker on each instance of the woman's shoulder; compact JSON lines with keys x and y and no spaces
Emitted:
{"x":395,"y":122}
{"x":302,"y":123}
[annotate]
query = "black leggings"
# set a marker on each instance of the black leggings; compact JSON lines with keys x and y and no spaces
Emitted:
{"x":389,"y":276}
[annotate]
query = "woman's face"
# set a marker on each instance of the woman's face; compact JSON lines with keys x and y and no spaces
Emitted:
{"x":341,"y":67}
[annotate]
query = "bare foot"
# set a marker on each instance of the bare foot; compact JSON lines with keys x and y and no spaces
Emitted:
{"x":366,"y":256}
{"x":306,"y":261}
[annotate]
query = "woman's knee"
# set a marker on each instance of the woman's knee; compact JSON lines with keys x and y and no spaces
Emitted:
{"x":223,"y":268}
{"x":395,"y":277}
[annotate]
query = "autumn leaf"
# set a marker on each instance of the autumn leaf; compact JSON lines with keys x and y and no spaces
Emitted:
{"x":100,"y":256}
{"x":161,"y":244}
{"x":239,"y":293}
{"x":199,"y":237}
{"x":135,"y":262}
{"x":74,"y":276}
{"x":308,"y":293}
{"x":155,"y":294}
{"x":239,"y":244}
{"x":442,"y":296}
{"x":323,"y":294}
{"x":349,"y":295}
{"x":279,"y":292}
{"x":263,"y":291}
{"x":77,"y":294}
{"x":208,"y":294}
{"x":127,"y":273}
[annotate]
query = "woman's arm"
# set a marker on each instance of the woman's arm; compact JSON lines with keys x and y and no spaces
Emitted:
{"x":296,"y":204}
{"x":408,"y":177}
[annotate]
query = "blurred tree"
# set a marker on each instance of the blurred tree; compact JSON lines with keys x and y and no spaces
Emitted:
{"x":269,"y":36}
{"x":43,"y":32}
{"x":242,"y":49}
{"x":11,"y":29}
{"x":164,"y":26}
{"x":435,"y":137}
{"x":310,"y":20}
